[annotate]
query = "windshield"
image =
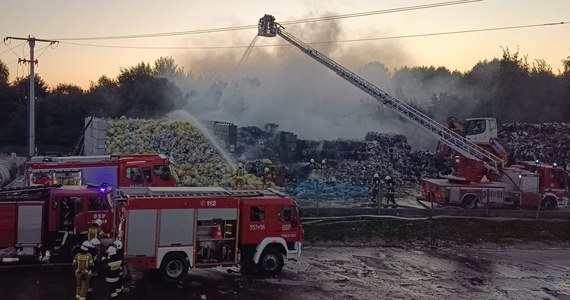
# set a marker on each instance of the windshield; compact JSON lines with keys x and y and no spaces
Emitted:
{"x":162,"y":172}
{"x":475,"y":127}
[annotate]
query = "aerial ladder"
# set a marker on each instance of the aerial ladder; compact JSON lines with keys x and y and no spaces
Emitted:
{"x":267,"y":27}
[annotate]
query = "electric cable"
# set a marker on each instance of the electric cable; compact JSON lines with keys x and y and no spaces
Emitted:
{"x":43,"y":49}
{"x":326,"y":42}
{"x":243,"y":27}
{"x":12,"y":48}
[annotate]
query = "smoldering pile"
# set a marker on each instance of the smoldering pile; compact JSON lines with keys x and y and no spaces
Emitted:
{"x":547,"y":142}
{"x":345,"y":167}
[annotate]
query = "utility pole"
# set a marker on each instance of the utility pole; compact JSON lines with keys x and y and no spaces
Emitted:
{"x":32,"y":109}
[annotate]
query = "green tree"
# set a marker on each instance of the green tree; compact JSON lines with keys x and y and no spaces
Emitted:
{"x":513,"y":75}
{"x":166,"y":67}
{"x":566,"y":88}
{"x":67,"y":89}
{"x":145,"y":96}
{"x":4,"y":74}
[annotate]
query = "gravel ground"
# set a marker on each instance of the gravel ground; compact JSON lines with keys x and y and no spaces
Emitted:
{"x":337,"y":271}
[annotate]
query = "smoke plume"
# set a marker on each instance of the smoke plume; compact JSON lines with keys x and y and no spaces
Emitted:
{"x":285,"y":86}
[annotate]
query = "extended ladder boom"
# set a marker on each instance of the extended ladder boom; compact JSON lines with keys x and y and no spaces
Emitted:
{"x":269,"y":28}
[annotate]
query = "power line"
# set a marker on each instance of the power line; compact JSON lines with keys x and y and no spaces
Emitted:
{"x":12,"y":48}
{"x":327,"y":42}
{"x":292,"y":22}
{"x":446,"y":33}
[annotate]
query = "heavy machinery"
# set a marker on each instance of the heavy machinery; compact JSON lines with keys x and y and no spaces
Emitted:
{"x":48,"y":222}
{"x":480,"y":175}
{"x":116,"y":170}
{"x":173,"y":229}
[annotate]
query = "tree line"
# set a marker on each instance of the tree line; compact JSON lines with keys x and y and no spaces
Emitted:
{"x":510,"y":89}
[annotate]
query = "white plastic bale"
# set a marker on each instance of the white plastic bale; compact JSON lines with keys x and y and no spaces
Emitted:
{"x":4,"y":172}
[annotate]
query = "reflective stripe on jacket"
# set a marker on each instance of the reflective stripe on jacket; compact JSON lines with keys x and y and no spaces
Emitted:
{"x":114,"y":266}
{"x":83,"y":262}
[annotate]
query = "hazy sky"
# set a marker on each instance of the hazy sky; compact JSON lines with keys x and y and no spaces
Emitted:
{"x":68,"y":63}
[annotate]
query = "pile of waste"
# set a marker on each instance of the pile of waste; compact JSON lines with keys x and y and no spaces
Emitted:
{"x":195,"y":161}
{"x":342,"y":169}
{"x":546,"y":142}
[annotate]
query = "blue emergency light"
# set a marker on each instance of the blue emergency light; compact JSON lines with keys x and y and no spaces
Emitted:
{"x":104,"y":187}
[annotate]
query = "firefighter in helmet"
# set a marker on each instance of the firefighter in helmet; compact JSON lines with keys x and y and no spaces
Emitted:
{"x":390,"y":192}
{"x":240,"y":173}
{"x":375,"y":188}
{"x":113,"y":271}
{"x":82,"y":262}
{"x":118,"y":245}
{"x":94,"y":250}
{"x":315,"y":165}
{"x":266,"y":177}
{"x":95,"y":231}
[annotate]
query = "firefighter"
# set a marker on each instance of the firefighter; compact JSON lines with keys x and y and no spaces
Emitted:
{"x":240,"y":173}
{"x":266,"y":177}
{"x":118,"y":245}
{"x":95,"y":231}
{"x":314,"y":165}
{"x":375,"y":188}
{"x":390,"y":192}
{"x":83,"y":262}
{"x":94,"y":250}
{"x":113,"y":271}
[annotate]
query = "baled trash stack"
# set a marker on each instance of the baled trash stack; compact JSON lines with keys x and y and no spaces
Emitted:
{"x":195,"y":161}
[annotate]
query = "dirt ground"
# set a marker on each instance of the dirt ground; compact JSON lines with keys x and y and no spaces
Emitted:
{"x":536,"y":270}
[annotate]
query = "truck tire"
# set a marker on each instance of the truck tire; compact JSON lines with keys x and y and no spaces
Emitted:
{"x":549,"y":203}
{"x":271,"y":261}
{"x":469,"y":202}
{"x":174,"y":267}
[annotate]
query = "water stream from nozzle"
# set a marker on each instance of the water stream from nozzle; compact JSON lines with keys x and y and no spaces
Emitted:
{"x":232,"y":77}
{"x":183,"y":115}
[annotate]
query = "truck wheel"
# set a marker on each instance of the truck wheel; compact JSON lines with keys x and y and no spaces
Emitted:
{"x":271,"y":261}
{"x":469,"y":202}
{"x":549,"y":203}
{"x":174,"y":267}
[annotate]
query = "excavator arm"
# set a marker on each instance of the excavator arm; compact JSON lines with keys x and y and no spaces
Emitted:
{"x":267,"y":27}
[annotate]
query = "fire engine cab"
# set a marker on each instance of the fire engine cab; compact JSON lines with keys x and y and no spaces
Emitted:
{"x":173,"y":229}
{"x":117,"y":171}
{"x":48,"y":222}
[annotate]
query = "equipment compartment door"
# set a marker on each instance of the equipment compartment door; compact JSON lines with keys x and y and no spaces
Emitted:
{"x":29,"y":225}
{"x":141,"y":232}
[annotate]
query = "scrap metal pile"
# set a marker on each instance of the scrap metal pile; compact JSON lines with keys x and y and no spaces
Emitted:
{"x":547,"y":142}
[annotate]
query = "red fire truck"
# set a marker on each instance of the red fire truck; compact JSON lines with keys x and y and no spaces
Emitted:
{"x":173,"y":229}
{"x":48,"y":222}
{"x":116,"y":171}
{"x":480,"y":172}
